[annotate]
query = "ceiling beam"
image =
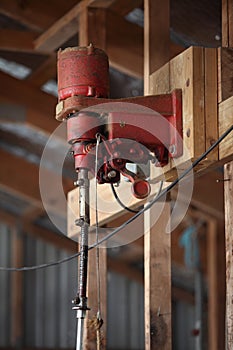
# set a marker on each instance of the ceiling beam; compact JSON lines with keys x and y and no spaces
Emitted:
{"x":124,"y":45}
{"x":21,"y":177}
{"x":37,"y":15}
{"x":62,"y":30}
{"x":15,"y":40}
{"x":123,"y":7}
{"x":42,"y":105}
{"x":59,"y":241}
{"x":46,"y":71}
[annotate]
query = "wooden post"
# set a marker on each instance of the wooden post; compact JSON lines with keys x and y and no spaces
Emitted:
{"x":156,"y":37}
{"x":228,"y":189}
{"x":92,"y":27}
{"x":157,"y":255}
{"x":225,"y":54}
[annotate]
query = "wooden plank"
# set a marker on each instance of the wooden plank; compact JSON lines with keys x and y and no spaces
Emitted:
{"x":23,"y":93}
{"x":211,"y":100}
{"x":15,"y":40}
{"x":156,"y":37}
{"x":228,"y":189}
{"x":37,"y":15}
{"x":124,"y":7}
{"x":225,"y":27}
{"x":26,"y":182}
{"x":157,"y":265}
{"x":61,"y":30}
{"x":46,"y":71}
{"x":92,"y":27}
{"x":59,"y":241}
{"x":225,"y":121}
{"x":185,"y":72}
{"x":227,"y":23}
{"x":124,"y":45}
{"x":102,"y":3}
{"x":225,"y":74}
{"x":17,"y":287}
{"x":90,"y":339}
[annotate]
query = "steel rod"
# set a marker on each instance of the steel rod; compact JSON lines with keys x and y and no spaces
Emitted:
{"x":83,"y":222}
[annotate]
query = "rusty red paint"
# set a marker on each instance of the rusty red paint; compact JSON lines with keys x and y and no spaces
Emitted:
{"x":82,"y":71}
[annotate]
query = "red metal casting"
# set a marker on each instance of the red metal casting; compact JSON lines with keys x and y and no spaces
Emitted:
{"x":82,"y":71}
{"x":126,"y":137}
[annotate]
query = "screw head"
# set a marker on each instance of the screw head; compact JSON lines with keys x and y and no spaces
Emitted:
{"x":172,"y":149}
{"x":112,"y":174}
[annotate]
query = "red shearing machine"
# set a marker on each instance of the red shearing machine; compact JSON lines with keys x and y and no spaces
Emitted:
{"x":125,"y":137}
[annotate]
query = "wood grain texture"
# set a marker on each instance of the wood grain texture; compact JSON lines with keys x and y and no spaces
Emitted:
{"x":157,"y":265}
{"x":211,"y":100}
{"x":90,"y":332}
{"x":225,"y":73}
{"x":225,"y":121}
{"x":228,"y":187}
{"x":156,"y":37}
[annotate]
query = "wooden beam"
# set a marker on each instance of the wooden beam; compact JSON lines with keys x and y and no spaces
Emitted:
{"x":90,"y":335}
{"x":59,"y":241}
{"x":102,"y":3}
{"x":157,"y":265}
{"x":46,"y":71}
{"x":156,"y":37}
{"x":227,"y":23}
{"x":124,"y":45}
{"x":35,"y":14}
{"x":123,"y":7}
{"x":228,"y":189}
{"x":92,"y":27}
{"x":61,"y":30}
{"x":22,"y":177}
{"x":23,"y":93}
{"x":15,"y":40}
{"x":225,"y":74}
{"x":225,"y":121}
{"x":211,"y":100}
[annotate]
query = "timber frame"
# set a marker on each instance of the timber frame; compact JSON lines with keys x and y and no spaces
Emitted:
{"x":205,"y":77}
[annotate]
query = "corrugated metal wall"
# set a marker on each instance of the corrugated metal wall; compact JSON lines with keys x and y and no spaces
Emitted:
{"x":49,"y":319}
{"x":47,"y":311}
{"x":5,"y":245}
{"x":125,"y":313}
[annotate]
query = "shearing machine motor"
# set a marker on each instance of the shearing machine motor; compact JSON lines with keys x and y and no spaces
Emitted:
{"x":83,"y":84}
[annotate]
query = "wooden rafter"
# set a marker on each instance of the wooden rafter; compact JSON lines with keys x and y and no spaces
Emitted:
{"x":37,"y":15}
{"x":15,"y":40}
{"x":46,"y":71}
{"x":23,"y":93}
{"x":26,"y":181}
{"x":60,"y":241}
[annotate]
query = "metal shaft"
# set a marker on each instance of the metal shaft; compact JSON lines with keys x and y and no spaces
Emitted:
{"x":83,"y":221}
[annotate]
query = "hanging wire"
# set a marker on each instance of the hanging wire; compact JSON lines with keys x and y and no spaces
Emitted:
{"x":120,"y":202}
{"x":148,"y":206}
{"x":124,"y":206}
{"x":97,"y":239}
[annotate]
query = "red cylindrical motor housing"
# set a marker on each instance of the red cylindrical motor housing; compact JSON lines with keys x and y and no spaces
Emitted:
{"x":82,"y":71}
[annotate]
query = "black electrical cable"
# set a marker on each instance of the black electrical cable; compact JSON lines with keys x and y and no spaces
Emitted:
{"x":120,"y":202}
{"x":127,"y":208}
{"x":148,"y":206}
